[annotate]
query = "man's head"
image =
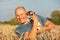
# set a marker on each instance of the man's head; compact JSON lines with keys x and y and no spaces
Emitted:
{"x":21,"y":14}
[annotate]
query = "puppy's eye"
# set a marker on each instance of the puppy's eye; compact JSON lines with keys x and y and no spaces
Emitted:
{"x":38,"y":28}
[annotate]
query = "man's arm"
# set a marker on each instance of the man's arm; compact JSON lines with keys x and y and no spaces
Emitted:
{"x":32,"y":33}
{"x":49,"y":25}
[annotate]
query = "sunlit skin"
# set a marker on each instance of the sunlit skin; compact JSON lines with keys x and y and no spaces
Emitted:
{"x":21,"y":15}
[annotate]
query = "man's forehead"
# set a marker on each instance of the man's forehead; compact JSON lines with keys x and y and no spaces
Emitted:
{"x":20,"y":12}
{"x":20,"y":9}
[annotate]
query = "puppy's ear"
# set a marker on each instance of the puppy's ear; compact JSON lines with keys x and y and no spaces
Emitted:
{"x":30,"y":13}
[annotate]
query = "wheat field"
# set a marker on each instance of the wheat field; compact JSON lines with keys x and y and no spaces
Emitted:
{"x":7,"y":33}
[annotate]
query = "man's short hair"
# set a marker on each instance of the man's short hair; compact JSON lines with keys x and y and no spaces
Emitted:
{"x":20,"y":7}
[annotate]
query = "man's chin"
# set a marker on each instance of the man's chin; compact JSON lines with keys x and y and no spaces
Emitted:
{"x":22,"y":22}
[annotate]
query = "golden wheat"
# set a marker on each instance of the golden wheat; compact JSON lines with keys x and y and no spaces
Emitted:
{"x":7,"y":33}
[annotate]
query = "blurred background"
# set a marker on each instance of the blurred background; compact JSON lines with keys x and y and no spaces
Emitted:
{"x":46,"y":8}
{"x":49,"y":9}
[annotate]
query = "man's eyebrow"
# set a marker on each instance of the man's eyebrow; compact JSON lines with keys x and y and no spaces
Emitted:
{"x":17,"y":15}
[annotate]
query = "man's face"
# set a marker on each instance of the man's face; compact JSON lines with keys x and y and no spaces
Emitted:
{"x":21,"y":15}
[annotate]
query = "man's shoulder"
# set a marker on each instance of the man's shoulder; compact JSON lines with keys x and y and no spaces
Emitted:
{"x":24,"y":28}
{"x":42,"y":19}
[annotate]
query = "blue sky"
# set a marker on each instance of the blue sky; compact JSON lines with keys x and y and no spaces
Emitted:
{"x":41,"y":7}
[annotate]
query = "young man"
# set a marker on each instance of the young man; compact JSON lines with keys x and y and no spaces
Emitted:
{"x":27,"y":30}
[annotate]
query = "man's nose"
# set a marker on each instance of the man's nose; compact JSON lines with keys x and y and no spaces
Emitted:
{"x":20,"y":16}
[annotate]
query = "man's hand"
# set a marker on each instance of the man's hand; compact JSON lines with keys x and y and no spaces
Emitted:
{"x":26,"y":36}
